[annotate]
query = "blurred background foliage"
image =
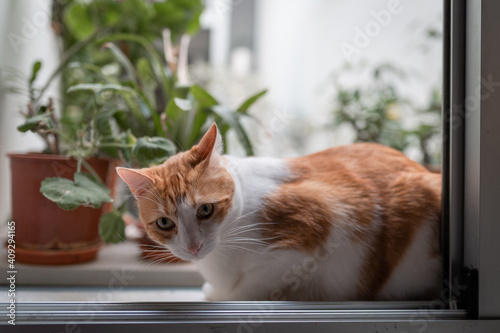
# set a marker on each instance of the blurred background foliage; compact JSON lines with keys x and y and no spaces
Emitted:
{"x":377,"y":111}
{"x":131,"y":79}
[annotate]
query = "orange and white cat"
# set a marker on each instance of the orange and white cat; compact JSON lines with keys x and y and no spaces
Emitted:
{"x":357,"y":222}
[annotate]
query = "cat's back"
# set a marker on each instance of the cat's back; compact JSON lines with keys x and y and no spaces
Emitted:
{"x":370,"y":160}
{"x":358,"y":185}
{"x":374,"y":200}
{"x":366,"y":170}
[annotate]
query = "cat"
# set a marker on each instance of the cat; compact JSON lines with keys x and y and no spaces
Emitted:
{"x":355,"y":222}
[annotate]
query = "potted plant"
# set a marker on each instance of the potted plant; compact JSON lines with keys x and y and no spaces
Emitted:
{"x":58,"y":195}
{"x":150,"y":108}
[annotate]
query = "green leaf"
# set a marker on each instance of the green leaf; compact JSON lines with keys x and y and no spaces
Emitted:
{"x":249,"y":102}
{"x":121,"y":142}
{"x":122,"y":59}
{"x":199,"y":120}
{"x":112,"y":227}
{"x":203,"y":97}
{"x":179,"y":16}
{"x":78,"y":21}
{"x":148,"y":80}
{"x":83,"y":191}
{"x":122,"y":120}
{"x":183,"y":104}
{"x":102,"y":124}
{"x":232,"y":119}
{"x":153,"y":150}
{"x":156,"y":60}
{"x":99,"y":87}
{"x":36,"y":67}
{"x":174,"y":111}
{"x":109,"y":146}
{"x":32,"y":122}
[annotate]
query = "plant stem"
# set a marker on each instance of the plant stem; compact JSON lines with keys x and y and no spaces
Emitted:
{"x":79,"y":164}
{"x":115,"y":145}
{"x":92,"y":171}
{"x":170,"y":57}
{"x":182,"y":60}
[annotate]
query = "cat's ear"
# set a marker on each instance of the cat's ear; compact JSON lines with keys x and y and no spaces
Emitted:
{"x":210,"y":147}
{"x":136,"y":180}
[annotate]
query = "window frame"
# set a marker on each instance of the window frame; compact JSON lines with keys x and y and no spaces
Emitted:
{"x":481,"y":157}
{"x":470,"y":185}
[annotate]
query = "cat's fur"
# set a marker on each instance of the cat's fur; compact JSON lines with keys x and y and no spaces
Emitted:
{"x":357,"y":222}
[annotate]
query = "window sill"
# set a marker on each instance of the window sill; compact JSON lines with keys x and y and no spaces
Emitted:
{"x":116,"y":266}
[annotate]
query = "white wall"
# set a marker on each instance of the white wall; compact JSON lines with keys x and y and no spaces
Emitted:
{"x":27,"y":36}
{"x":217,"y":18}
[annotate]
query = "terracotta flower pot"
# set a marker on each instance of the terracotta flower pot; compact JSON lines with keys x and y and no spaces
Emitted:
{"x":45,"y":233}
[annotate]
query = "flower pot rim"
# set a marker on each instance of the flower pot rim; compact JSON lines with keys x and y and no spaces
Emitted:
{"x":58,"y":257}
{"x":42,"y":156}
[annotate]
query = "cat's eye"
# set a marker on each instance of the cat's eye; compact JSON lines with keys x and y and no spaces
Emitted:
{"x":205,"y":211}
{"x":165,"y":224}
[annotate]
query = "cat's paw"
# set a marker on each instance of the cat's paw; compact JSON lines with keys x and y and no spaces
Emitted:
{"x":209,"y":292}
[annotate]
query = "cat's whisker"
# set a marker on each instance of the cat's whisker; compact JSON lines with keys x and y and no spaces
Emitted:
{"x":247,"y":226}
{"x":147,"y":262}
{"x":160,"y":211}
{"x":243,"y":216}
{"x":154,"y":246}
{"x":242,"y":237}
{"x":230,"y":244}
{"x":246,"y":245}
{"x":177,"y":141}
{"x":259,"y":244}
{"x":254,"y":224}
{"x":256,"y":241}
{"x":150,"y":199}
{"x":158,"y":199}
{"x":153,"y":191}
{"x":225,"y":255}
{"x":162,"y":251}
{"x":151,"y":186}
{"x":241,"y":248}
{"x":248,"y":230}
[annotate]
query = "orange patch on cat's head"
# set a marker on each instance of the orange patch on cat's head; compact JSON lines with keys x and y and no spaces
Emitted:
{"x":191,"y":178}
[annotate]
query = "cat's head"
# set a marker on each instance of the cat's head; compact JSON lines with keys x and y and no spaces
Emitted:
{"x":183,"y":202}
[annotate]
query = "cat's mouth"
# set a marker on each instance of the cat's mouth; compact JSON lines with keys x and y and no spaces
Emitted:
{"x":201,"y":252}
{"x":193,"y":249}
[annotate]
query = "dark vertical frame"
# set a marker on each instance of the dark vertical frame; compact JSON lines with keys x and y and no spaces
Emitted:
{"x":445,"y":160}
{"x":453,"y":143}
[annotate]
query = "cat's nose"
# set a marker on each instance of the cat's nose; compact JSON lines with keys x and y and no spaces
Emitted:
{"x":193,"y":249}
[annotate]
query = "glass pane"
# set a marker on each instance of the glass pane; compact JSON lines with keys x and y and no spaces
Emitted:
{"x":137,"y":82}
